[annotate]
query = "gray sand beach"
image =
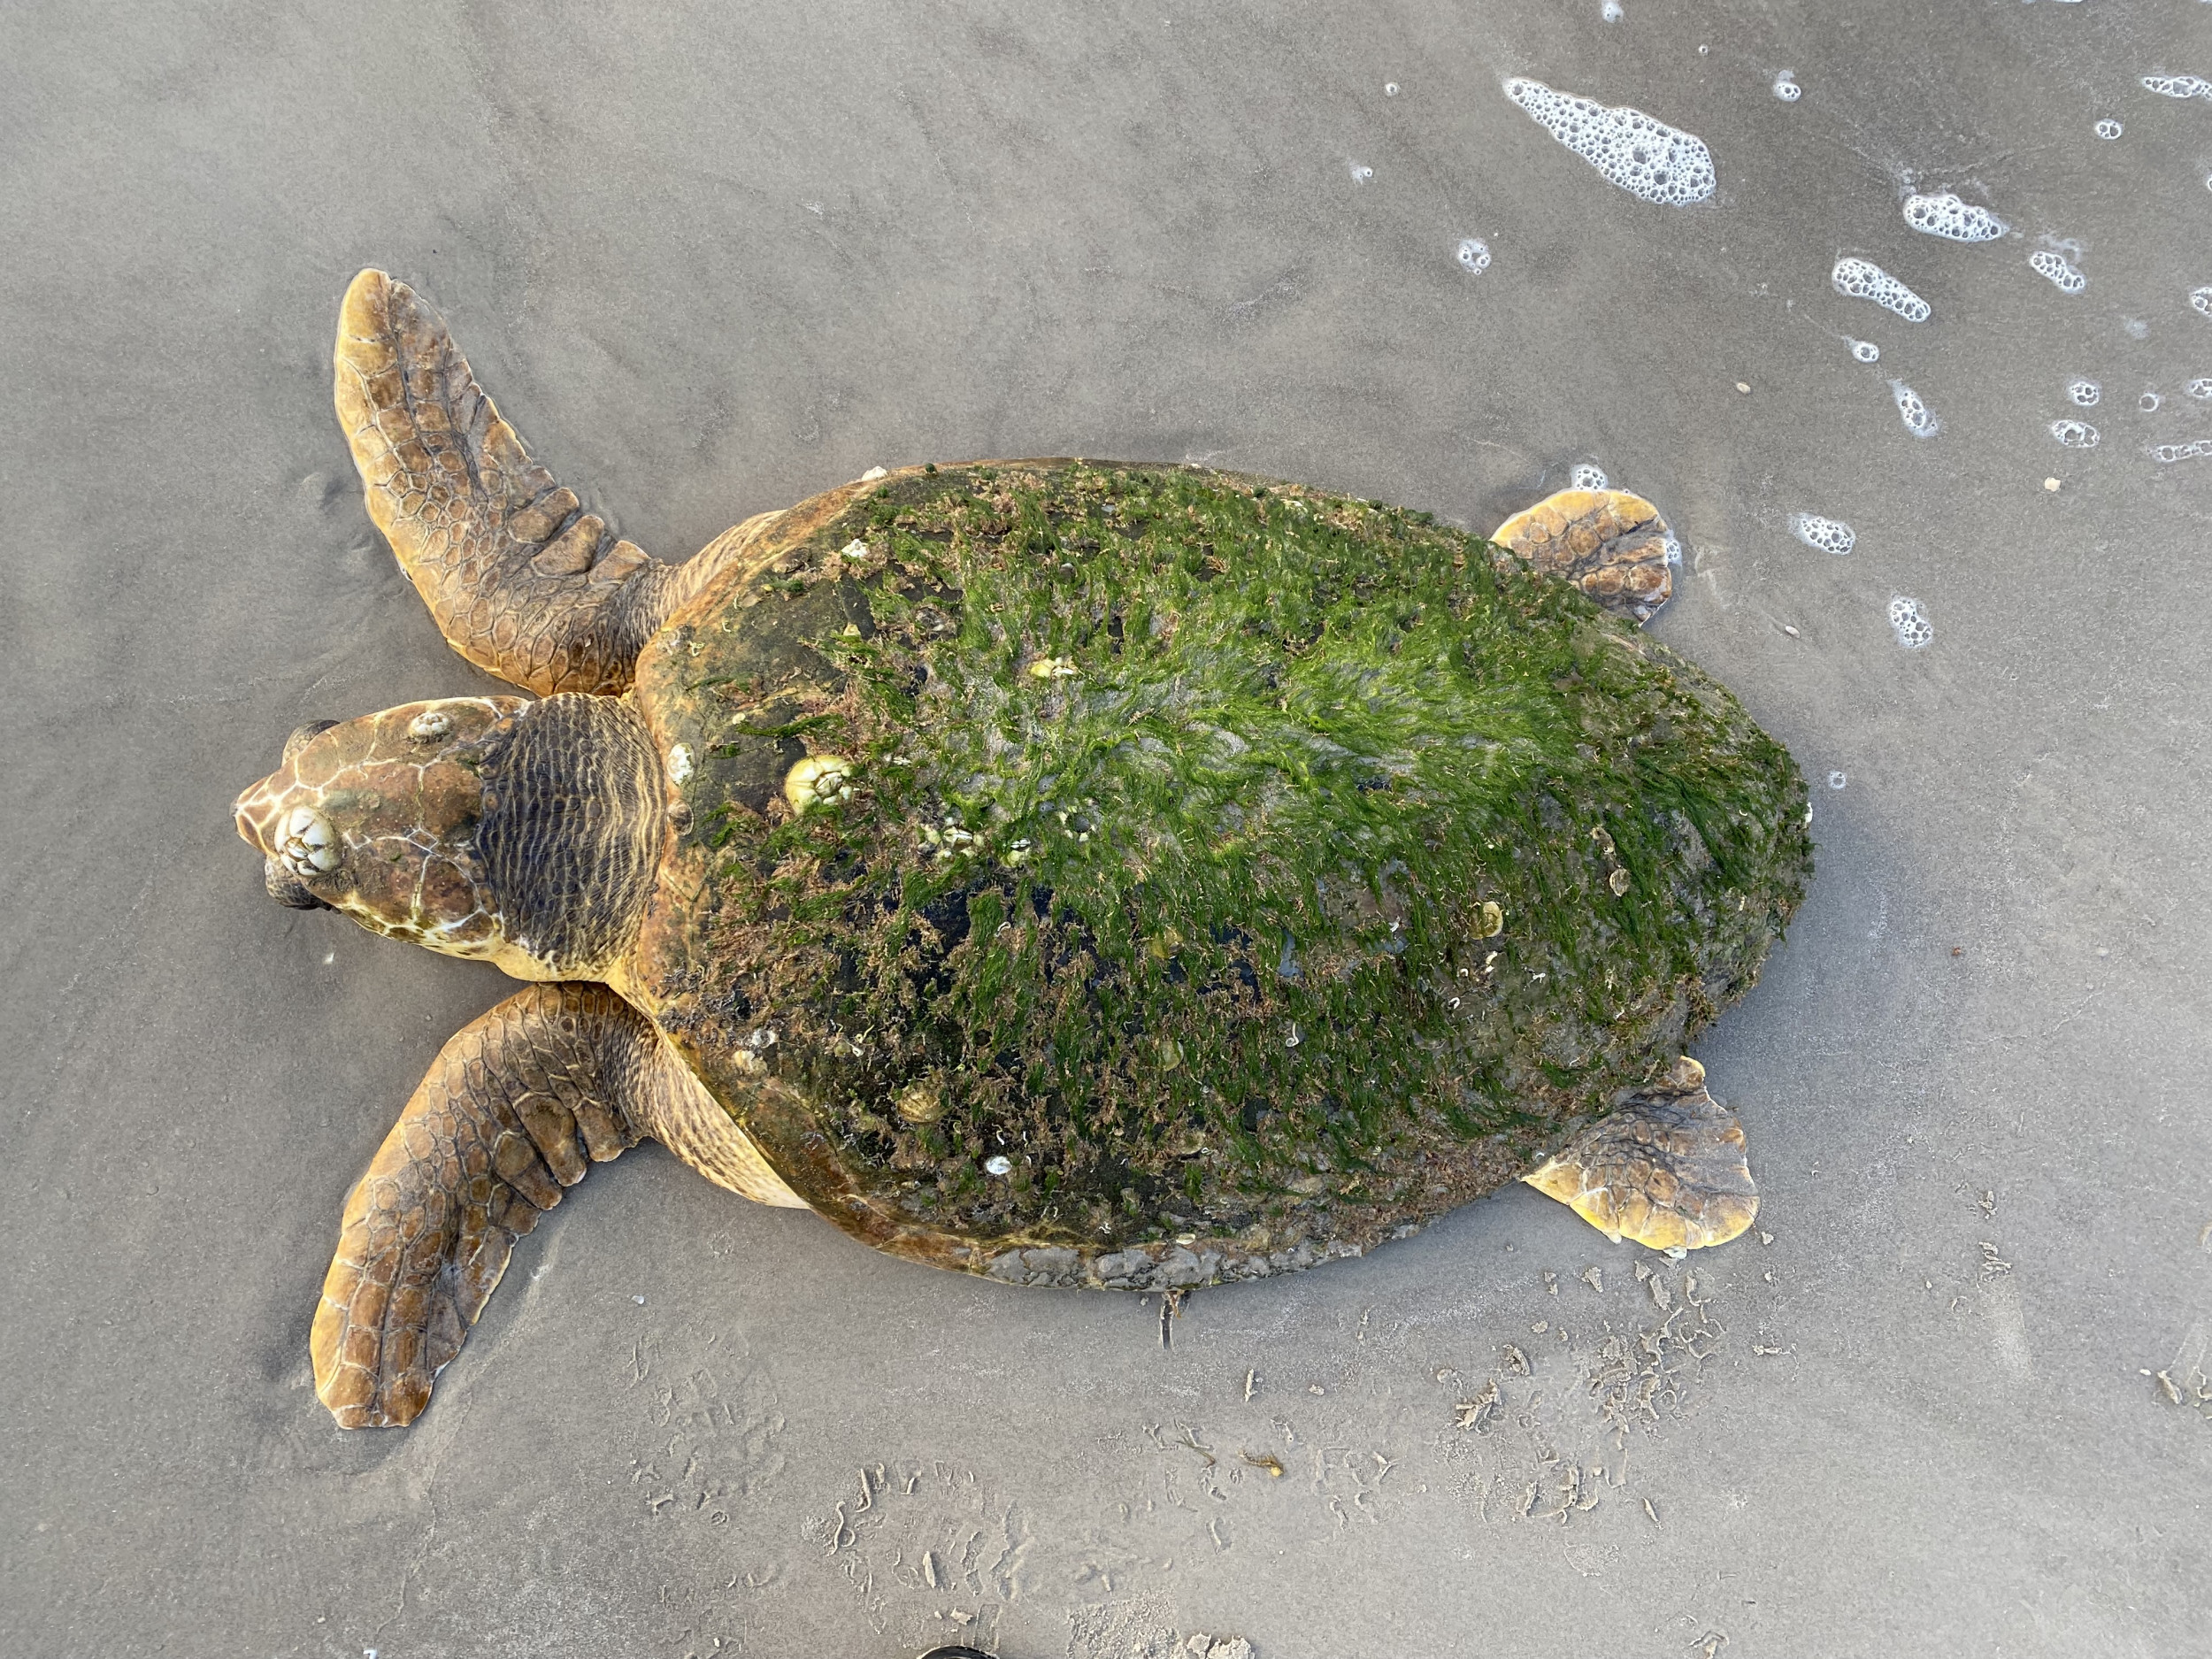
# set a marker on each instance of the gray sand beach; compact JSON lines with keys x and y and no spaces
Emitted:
{"x":1951,"y":1396}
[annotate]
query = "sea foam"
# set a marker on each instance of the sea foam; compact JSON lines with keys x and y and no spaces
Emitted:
{"x":1862,"y":279}
{"x":1643,"y":155}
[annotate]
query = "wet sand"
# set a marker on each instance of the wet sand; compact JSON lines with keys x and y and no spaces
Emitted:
{"x":716,"y":259}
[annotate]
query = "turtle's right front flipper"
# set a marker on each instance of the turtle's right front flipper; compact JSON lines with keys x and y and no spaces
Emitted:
{"x":522,"y":581}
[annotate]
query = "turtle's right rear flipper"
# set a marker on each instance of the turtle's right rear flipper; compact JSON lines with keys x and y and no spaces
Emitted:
{"x":522,"y":581}
{"x":514,"y":1110}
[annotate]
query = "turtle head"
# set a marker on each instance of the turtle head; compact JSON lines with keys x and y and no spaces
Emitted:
{"x":377,"y":817}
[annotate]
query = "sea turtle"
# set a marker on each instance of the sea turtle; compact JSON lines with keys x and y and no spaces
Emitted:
{"x":1077,"y":873}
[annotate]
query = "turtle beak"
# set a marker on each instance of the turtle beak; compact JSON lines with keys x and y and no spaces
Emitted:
{"x":262,"y":817}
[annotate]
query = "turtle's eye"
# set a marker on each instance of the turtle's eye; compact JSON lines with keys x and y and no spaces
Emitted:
{"x":306,"y":845}
{"x":302,"y":736}
{"x":285,"y":890}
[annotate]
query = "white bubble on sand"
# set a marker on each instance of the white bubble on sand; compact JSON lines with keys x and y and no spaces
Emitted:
{"x":2063,"y":277}
{"x":1361,"y":173}
{"x":1918,"y":418}
{"x":1836,"y":780}
{"x":2179,"y":86}
{"x":1954,"y":220}
{"x":1827,"y":535}
{"x":2085,"y":393}
{"x":2200,"y":301}
{"x":2148,"y":402}
{"x":1644,"y":156}
{"x":1866,"y":352}
{"x":1611,"y":11}
{"x":1786,"y":87}
{"x":2200,"y":388}
{"x":2108,"y":129}
{"x":1587,"y":477}
{"x":2075,"y":435}
{"x":1863,"y":279}
{"x":1390,"y":89}
{"x":1473,"y":254}
{"x":1913,"y":630}
{"x":2196,"y":450}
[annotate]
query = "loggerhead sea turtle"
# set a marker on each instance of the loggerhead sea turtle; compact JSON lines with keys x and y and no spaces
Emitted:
{"x":1073,"y":872}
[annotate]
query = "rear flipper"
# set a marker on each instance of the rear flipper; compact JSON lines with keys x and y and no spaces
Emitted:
{"x":1665,"y":1169}
{"x":516,"y":1109}
{"x":1612,"y":545}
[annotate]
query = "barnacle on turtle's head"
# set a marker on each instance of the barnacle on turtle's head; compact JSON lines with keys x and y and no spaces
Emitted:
{"x":376,"y":817}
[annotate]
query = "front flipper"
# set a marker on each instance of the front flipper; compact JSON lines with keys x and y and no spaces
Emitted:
{"x":520,"y":580}
{"x":515,"y":1109}
{"x":1665,"y":1169}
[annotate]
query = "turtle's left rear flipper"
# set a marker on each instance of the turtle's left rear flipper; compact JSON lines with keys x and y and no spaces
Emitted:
{"x":522,"y":581}
{"x":1666,"y":1168}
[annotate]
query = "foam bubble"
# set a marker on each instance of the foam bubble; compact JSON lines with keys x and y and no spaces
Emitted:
{"x":1361,"y":173}
{"x":2063,"y":276}
{"x":2075,"y":435}
{"x":1611,"y":11}
{"x":1390,"y":89}
{"x":1786,"y":87}
{"x":2108,"y":129}
{"x":1913,"y":630}
{"x":1473,"y":254}
{"x":2177,"y":85}
{"x":1863,"y":279}
{"x":1918,"y":418}
{"x":2085,"y":392}
{"x":1587,"y":477}
{"x":1836,"y":779}
{"x":2199,"y":388}
{"x":1645,"y":157}
{"x":2200,"y":301}
{"x":1827,"y":535}
{"x":2195,"y":450}
{"x":2148,"y":402}
{"x":1954,"y":220}
{"x":1866,"y":352}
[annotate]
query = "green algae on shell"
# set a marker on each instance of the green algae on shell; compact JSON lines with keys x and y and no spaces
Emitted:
{"x":1214,"y":875}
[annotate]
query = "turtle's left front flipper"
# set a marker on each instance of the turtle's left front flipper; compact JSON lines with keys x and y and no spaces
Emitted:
{"x":1666,"y":1168}
{"x":516,"y":1109}
{"x":522,"y":581}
